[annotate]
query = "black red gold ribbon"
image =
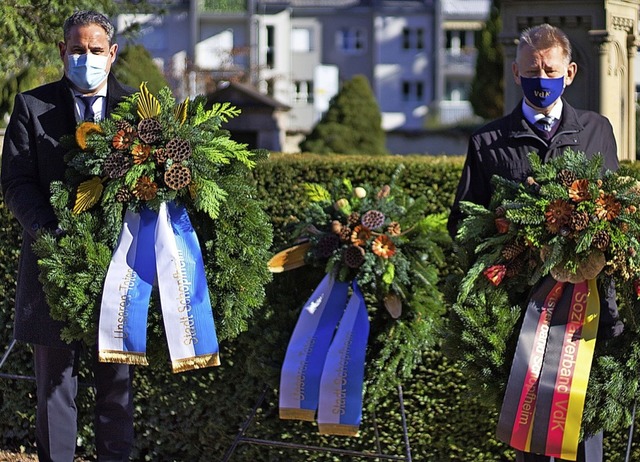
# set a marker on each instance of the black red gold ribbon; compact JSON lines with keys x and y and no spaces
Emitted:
{"x":542,"y":408}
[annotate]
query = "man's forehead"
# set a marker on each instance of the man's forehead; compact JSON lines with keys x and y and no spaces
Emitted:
{"x":86,"y":32}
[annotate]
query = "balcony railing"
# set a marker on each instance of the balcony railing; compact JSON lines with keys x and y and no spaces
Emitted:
{"x":452,"y":112}
{"x":461,"y":58}
{"x":223,"y":6}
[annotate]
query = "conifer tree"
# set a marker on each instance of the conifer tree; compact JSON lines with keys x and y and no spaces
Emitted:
{"x":487,"y":88}
{"x":351,"y":125}
{"x":135,"y":65}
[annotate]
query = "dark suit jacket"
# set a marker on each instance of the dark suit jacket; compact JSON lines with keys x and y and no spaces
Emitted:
{"x":32,"y":157}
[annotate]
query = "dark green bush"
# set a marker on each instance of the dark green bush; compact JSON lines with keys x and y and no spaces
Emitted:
{"x":351,"y":125}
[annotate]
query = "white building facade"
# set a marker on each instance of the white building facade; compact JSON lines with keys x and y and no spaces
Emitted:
{"x":419,"y":55}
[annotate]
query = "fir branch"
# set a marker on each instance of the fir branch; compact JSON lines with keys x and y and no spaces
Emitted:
{"x":209,"y":196}
{"x":316,"y":193}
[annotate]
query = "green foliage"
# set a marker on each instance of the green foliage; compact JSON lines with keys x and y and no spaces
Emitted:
{"x":195,"y":415}
{"x":23,"y":80}
{"x":224,"y":6}
{"x":29,"y":34}
{"x":351,"y":125}
{"x":487,"y":87}
{"x":135,"y":65}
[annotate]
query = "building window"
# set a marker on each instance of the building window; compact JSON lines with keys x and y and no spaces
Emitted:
{"x":412,"y":90}
{"x":459,"y":41}
{"x":457,"y":90}
{"x":350,"y":40}
{"x":271,"y":39}
{"x":301,"y":40}
{"x":406,"y":38}
{"x":303,"y":91}
{"x":413,"y":38}
{"x":419,"y":91}
{"x":270,"y":84}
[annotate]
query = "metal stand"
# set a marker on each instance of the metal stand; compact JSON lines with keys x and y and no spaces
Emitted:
{"x":12,"y":376}
{"x":630,"y":437}
{"x":242,"y":438}
{"x":29,"y":378}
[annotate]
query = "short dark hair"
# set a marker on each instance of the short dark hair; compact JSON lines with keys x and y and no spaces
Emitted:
{"x":545,"y":36}
{"x":85,"y":18}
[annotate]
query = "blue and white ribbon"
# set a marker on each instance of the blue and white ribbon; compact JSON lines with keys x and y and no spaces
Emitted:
{"x":307,"y":350}
{"x":323,"y":369}
{"x":158,"y":248}
{"x":340,"y":407}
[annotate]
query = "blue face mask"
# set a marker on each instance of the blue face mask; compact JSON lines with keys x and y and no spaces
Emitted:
{"x":542,"y":92}
{"x":87,"y":71}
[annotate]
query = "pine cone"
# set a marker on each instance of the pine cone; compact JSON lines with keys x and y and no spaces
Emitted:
{"x":500,"y":211}
{"x":578,"y":220}
{"x":566,"y":178}
{"x":177,"y":177}
{"x":354,"y":218}
{"x":149,"y":130}
{"x":146,"y":189}
{"x":514,"y":267}
{"x":601,"y":240}
{"x":124,"y":195}
{"x":161,"y":155}
{"x":116,"y":165}
{"x":345,"y":234}
{"x":372,"y":219}
{"x":178,"y":149}
{"x":123,"y":125}
{"x":394,"y":229}
{"x":326,"y":245}
{"x":140,"y":153}
{"x":353,"y":256}
{"x":512,"y":249}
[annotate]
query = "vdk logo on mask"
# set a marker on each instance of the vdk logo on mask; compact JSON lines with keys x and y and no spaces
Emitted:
{"x":542,"y":92}
{"x":87,"y":71}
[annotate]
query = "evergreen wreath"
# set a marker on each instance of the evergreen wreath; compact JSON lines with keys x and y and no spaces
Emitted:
{"x":569,"y":220}
{"x":381,"y":237}
{"x":151,"y":150}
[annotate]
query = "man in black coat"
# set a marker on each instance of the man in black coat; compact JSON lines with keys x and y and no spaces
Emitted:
{"x":32,"y":158}
{"x":542,"y":123}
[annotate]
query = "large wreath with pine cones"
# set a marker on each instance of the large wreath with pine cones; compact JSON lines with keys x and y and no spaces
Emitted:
{"x":569,"y":220}
{"x":153,"y":150}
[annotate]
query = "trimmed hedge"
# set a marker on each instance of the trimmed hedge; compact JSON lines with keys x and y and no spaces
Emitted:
{"x":195,"y":416}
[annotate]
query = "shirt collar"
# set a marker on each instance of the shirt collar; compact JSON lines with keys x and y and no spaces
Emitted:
{"x":532,"y":116}
{"x":101,"y":92}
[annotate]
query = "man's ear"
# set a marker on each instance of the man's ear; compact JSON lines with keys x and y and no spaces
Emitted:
{"x":572,"y":69}
{"x":516,"y":73}
{"x":62,"y":47}
{"x":113,"y":51}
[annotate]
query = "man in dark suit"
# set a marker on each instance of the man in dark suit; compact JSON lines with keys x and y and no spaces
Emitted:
{"x":32,"y":158}
{"x":544,"y":123}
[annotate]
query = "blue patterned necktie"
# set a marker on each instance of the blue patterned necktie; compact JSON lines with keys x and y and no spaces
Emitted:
{"x":545,"y":124}
{"x":88,"y":101}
